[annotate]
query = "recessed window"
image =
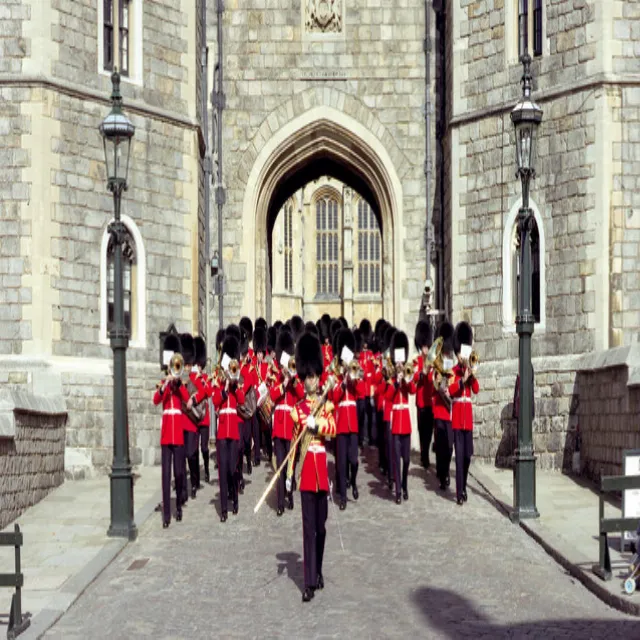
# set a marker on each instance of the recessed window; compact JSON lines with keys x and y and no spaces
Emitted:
{"x":327,"y":246}
{"x":525,"y":31}
{"x":120,"y":37}
{"x":134,"y":285}
{"x":537,"y":27}
{"x":369,"y":250}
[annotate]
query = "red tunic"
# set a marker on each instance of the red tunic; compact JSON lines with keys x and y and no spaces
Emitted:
{"x":226,"y":407}
{"x":424,"y":386}
{"x":284,"y":401}
{"x":314,"y":475}
{"x":462,"y":408}
{"x":440,"y":409}
{"x":399,"y":399}
{"x":327,"y":355}
{"x":172,"y":417}
{"x":202,"y":385}
{"x":346,"y":412}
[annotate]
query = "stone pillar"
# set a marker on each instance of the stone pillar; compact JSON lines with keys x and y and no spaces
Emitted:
{"x":347,"y":254}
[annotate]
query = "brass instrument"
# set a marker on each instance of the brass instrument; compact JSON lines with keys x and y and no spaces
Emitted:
{"x":434,"y":358}
{"x":354,"y":370}
{"x":176,"y":369}
{"x":291,"y":367}
{"x":474,"y":362}
{"x":233,"y":372}
{"x":388,"y":370}
{"x":335,"y":368}
{"x":409,"y":371}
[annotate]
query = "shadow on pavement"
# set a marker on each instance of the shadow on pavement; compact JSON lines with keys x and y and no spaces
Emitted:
{"x":293,"y":565}
{"x":454,"y":617}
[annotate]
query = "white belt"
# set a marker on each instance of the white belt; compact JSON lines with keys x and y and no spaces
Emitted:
{"x":228,"y":411}
{"x":347,"y":403}
{"x":462,"y":399}
{"x":316,"y":448}
{"x":283,"y":407}
{"x":397,"y":407}
{"x":172,"y":412}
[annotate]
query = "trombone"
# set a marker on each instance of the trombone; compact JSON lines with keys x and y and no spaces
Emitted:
{"x":175,"y":370}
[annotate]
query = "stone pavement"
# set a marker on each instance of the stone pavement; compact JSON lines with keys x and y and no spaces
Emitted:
{"x":568,"y":528}
{"x":66,"y":546}
{"x":426,"y":568}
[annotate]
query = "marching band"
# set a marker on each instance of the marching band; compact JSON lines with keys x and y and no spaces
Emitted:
{"x":292,"y":391}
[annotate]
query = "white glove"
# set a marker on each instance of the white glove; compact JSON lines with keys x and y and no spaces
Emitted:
{"x":289,"y":485}
{"x":311,"y":424}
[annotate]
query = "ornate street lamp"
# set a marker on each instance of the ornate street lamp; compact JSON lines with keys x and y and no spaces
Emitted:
{"x":117,"y":131}
{"x":526,"y":117}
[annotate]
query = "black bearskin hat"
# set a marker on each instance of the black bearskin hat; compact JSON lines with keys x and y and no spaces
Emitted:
{"x":344,"y":322}
{"x":247,"y":325}
{"x":277,"y":324}
{"x":399,"y":341}
{"x":284,"y":344}
{"x":381,"y":327}
{"x":374,"y":345}
{"x":272,"y":337}
{"x":358,"y":336}
{"x":365,"y":329}
{"x":244,"y":344}
{"x":201,"y":351}
{"x":297,"y":326}
{"x":261,"y":323}
{"x":445,"y":331}
{"x":172,"y":343}
{"x":388,"y":336}
{"x":308,"y":356}
{"x":188,"y":348}
{"x":324,"y":326}
{"x":379,"y":323}
{"x":231,"y":347}
{"x":234,"y":330}
{"x":310,"y":327}
{"x":260,"y":340}
{"x":344,"y":338}
{"x":220,"y":336}
{"x":423,"y":335}
{"x":336,"y":325}
{"x":285,"y":328}
{"x":462,"y":335}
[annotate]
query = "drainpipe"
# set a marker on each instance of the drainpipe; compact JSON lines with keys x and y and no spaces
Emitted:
{"x":204,"y":68}
{"x":427,"y":119}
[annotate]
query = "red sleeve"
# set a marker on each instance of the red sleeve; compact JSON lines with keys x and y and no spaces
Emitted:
{"x":298,"y":389}
{"x":390,"y":392}
{"x":337,"y":393}
{"x":184,"y":394}
{"x":217,"y":397}
{"x":361,"y":387}
{"x":240,"y":396}
{"x":158,"y":397}
{"x":475,"y":385}
{"x":381,"y":389}
{"x":277,"y":390}
{"x":456,"y":388}
{"x":411,"y":387}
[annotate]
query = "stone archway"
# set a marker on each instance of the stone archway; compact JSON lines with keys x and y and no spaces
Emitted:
{"x":323,"y":133}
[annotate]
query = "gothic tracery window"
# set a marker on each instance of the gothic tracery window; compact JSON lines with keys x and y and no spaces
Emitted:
{"x":369,"y":250}
{"x":327,"y":246}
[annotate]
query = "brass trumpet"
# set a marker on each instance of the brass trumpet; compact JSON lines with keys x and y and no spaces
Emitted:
{"x":291,"y":367}
{"x":176,"y":368}
{"x":354,"y":370}
{"x":233,"y":372}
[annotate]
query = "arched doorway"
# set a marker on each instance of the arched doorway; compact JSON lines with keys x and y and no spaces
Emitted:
{"x":322,"y":141}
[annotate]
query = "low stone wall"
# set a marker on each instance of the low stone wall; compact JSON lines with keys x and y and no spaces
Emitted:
{"x":32,"y":442}
{"x":608,"y":412}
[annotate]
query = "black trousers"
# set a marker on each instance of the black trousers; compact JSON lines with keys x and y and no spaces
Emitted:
{"x":463,"y":442}
{"x":255,"y":432}
{"x":425,"y":430}
{"x":347,"y":461}
{"x":282,"y":448}
{"x":380,"y":440}
{"x":401,"y":451}
{"x":361,"y":413}
{"x":244,"y":446}
{"x":388,"y":448}
{"x":227,"y":452}
{"x":267,"y":442}
{"x":171,"y":453}
{"x":444,"y":448}
{"x":315,"y":508}
{"x":203,"y":435}
{"x":191,"y":439}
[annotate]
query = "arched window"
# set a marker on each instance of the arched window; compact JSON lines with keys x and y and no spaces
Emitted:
{"x":327,"y":246}
{"x":511,"y":270}
{"x":288,"y":247}
{"x":134,"y":285}
{"x":369,"y":254}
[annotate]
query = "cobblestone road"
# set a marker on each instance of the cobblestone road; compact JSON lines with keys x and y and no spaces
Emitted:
{"x":427,"y":568}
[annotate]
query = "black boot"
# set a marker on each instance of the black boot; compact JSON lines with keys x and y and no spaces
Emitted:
{"x":179,"y":515}
{"x":193,"y":493}
{"x":165,"y":524}
{"x":207,"y":478}
{"x":405,"y":495}
{"x":320,"y":583}
{"x":355,"y":491}
{"x":223,"y":517}
{"x":307,"y":595}
{"x":235,"y":508}
{"x":290,"y":502}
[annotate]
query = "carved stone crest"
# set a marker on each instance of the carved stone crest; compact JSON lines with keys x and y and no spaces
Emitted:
{"x":324,"y":16}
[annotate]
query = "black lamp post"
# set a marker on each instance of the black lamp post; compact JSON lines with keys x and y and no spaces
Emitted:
{"x":526,"y":117}
{"x":117,"y":131}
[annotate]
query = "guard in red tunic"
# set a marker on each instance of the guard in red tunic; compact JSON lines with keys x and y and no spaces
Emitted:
{"x":464,"y":384}
{"x":343,"y":396}
{"x":312,"y":474}
{"x":441,"y":405}
{"x":171,"y":394}
{"x":263,"y":373}
{"x":226,"y":398}
{"x":286,"y":392}
{"x":201,"y":400}
{"x":365,"y":358}
{"x":398,"y":394}
{"x":247,"y":427}
{"x":424,"y":393}
{"x":324,"y":333}
{"x":191,"y":435}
